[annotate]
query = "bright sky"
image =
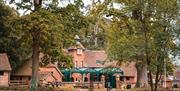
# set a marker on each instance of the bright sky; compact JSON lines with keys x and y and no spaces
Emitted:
{"x":61,"y":4}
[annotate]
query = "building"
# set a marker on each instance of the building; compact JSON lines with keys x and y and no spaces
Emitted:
{"x":83,"y":58}
{"x":165,"y":82}
{"x":130,"y":74}
{"x":5,"y":70}
{"x":176,"y":81}
{"x":49,"y":73}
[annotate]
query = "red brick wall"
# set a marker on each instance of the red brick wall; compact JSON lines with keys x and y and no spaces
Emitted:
{"x":55,"y":72}
{"x":48,"y":79}
{"x":78,"y":59}
{"x":4,"y":79}
{"x":79,"y":77}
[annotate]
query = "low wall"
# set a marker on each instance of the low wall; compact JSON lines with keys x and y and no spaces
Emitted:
{"x":96,"y":85}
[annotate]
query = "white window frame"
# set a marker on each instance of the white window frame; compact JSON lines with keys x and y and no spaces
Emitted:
{"x":79,"y":51}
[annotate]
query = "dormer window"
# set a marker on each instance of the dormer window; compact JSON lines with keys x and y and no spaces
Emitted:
{"x":79,"y":51}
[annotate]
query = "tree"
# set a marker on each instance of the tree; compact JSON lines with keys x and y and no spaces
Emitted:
{"x":133,"y":30}
{"x":6,"y":12}
{"x":42,"y":31}
{"x":15,"y":49}
{"x":33,"y":25}
{"x":94,"y":35}
{"x":73,"y":20}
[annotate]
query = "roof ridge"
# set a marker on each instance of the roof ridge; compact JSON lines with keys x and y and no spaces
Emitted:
{"x":4,"y":62}
{"x":96,"y":50}
{"x":3,"y":53}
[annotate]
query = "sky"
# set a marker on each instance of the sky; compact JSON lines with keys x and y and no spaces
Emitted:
{"x":61,"y":4}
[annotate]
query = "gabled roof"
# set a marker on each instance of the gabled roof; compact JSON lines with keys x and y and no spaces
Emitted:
{"x":77,"y":46}
{"x":129,"y":69}
{"x":4,"y":62}
{"x":24,"y":70}
{"x":45,"y":75}
{"x":98,"y":58}
{"x":52,"y":66}
{"x":94,"y":58}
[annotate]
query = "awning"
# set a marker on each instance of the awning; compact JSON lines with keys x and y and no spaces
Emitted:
{"x":97,"y":70}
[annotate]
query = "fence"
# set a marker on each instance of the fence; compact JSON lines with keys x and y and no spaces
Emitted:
{"x":18,"y":83}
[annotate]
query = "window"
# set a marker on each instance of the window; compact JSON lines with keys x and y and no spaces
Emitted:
{"x":72,"y":79}
{"x":1,"y":73}
{"x":121,"y":78}
{"x":63,"y":79}
{"x":128,"y":78}
{"x":85,"y":79}
{"x":79,"y":51}
{"x":29,"y":78}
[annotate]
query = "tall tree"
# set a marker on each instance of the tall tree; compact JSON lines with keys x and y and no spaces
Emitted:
{"x":42,"y":31}
{"x":132,"y":36}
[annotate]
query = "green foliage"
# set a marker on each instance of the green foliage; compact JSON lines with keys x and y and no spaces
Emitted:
{"x":142,"y":29}
{"x":49,"y":36}
{"x":5,"y":14}
{"x":16,"y":50}
{"x":124,"y":44}
{"x":94,"y":36}
{"x":73,"y":20}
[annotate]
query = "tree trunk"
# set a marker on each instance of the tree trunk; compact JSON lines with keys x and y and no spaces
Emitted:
{"x":36,"y":51}
{"x":158,"y":68}
{"x":35,"y":67}
{"x":157,"y":79}
{"x":151,"y":81}
{"x":142,"y":79}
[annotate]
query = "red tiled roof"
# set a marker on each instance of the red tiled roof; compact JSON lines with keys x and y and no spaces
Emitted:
{"x":44,"y":75}
{"x":78,"y":45}
{"x":24,"y":70}
{"x":129,"y":69}
{"x":177,"y":73}
{"x":91,"y":58}
{"x":4,"y":62}
{"x":50,"y":65}
{"x":53,"y":66}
